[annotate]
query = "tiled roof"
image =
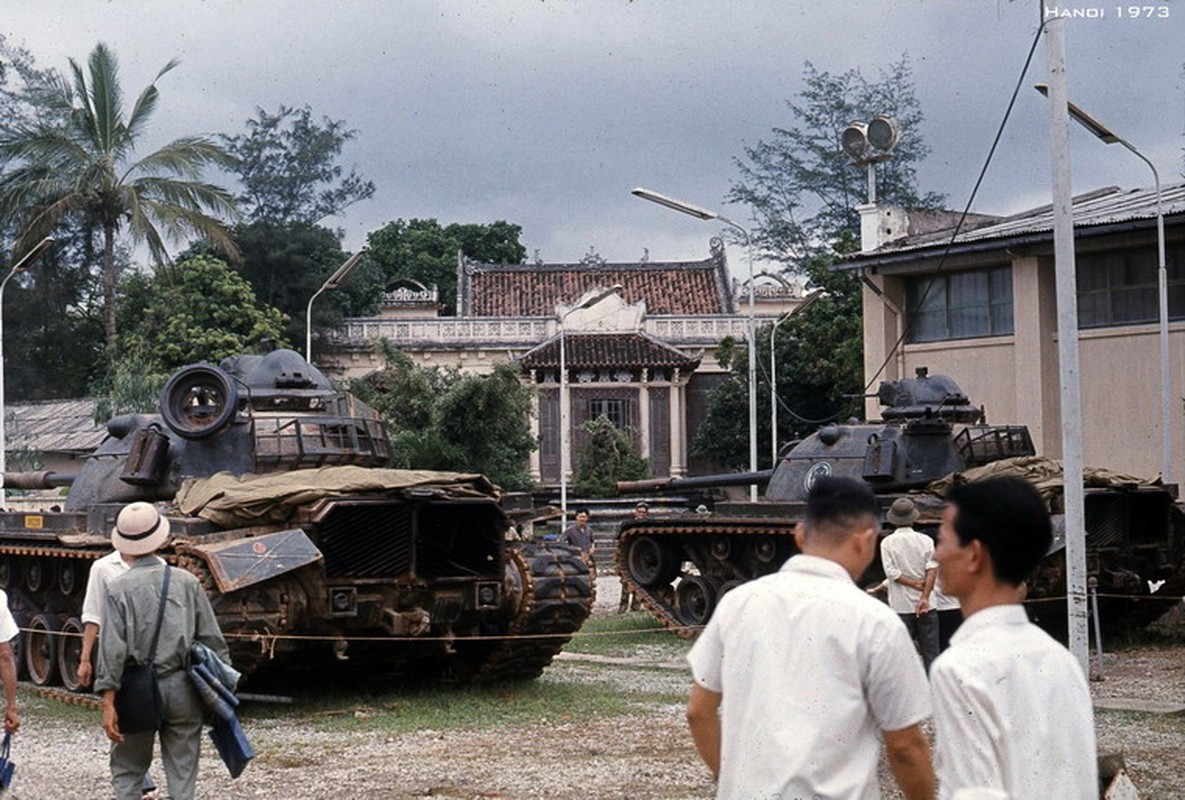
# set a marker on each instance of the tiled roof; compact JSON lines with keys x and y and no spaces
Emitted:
{"x":533,"y":290}
{"x":1102,"y":207}
{"x":603,"y":350}
{"x":53,"y":426}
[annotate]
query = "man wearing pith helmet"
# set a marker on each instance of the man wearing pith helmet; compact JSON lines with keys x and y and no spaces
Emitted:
{"x":129,"y":622}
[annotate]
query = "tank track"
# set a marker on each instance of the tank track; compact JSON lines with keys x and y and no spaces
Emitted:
{"x":679,"y":568}
{"x":558,"y":589}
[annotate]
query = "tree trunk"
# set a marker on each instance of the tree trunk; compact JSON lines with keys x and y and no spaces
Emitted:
{"x":109,"y":287}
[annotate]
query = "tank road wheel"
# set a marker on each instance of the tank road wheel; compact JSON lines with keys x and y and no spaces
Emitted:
{"x":727,"y":587}
{"x":70,"y":653}
{"x":695,"y":597}
{"x":41,"y":649}
{"x":68,"y":577}
{"x":37,"y":572}
{"x":721,"y":548}
{"x":6,"y":572}
{"x":765,"y":549}
{"x":651,"y":562}
{"x":198,"y":401}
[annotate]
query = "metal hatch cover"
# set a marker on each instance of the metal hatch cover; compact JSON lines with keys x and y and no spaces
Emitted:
{"x":243,"y":562}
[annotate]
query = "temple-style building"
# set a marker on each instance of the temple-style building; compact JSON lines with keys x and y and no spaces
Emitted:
{"x":637,"y":341}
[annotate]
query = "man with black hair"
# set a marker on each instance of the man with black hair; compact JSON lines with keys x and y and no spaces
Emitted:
{"x":800,"y":674}
{"x":1012,"y":710}
{"x":578,"y":533}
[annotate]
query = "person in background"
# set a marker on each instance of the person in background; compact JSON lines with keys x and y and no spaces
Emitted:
{"x":800,"y":675}
{"x":578,"y":534}
{"x":8,"y":632}
{"x":1012,"y":709}
{"x":907,"y":556}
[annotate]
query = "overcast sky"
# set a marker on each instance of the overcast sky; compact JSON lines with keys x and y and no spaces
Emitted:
{"x":546,"y":113}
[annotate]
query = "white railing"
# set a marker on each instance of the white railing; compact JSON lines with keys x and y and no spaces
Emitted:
{"x":512,"y":331}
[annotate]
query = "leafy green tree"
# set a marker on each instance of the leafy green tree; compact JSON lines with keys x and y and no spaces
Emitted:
{"x":424,"y":250}
{"x":80,"y":161}
{"x":803,"y":189}
{"x":287,"y":162}
{"x":485,"y":419}
{"x":202,"y":311}
{"x":441,"y":419}
{"x":608,"y":457}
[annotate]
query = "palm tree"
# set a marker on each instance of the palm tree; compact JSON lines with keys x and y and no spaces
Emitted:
{"x":81,"y":165}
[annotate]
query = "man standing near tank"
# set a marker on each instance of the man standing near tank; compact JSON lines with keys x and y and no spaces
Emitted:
{"x":1012,"y":710}
{"x":128,"y":624}
{"x":910,"y":569}
{"x":8,"y":631}
{"x":799,"y":675}
{"x":578,"y":534}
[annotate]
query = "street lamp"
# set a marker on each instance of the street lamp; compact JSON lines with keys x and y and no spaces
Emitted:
{"x":332,"y":283}
{"x":1107,"y":136}
{"x":564,"y":432}
{"x":19,"y":266}
{"x":705,"y":214}
{"x":773,"y":374}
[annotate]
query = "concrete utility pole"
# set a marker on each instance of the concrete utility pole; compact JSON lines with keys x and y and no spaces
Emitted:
{"x":1067,"y":345}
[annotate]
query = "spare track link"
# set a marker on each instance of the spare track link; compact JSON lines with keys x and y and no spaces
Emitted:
{"x":558,"y":590}
{"x":659,"y":600}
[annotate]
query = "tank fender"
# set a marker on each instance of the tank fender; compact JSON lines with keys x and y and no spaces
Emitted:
{"x":243,"y":562}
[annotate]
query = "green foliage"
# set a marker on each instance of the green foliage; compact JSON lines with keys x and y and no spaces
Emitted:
{"x":287,"y":163}
{"x":803,"y":189}
{"x":287,"y":263}
{"x":441,"y":419}
{"x":200,"y":311}
{"x":76,"y":161}
{"x":133,"y":385}
{"x":608,"y":457}
{"x":423,"y":250}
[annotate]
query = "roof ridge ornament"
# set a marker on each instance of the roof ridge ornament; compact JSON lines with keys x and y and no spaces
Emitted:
{"x":592,"y":258}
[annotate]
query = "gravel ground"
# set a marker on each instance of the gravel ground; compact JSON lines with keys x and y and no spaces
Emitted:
{"x":644,"y":757}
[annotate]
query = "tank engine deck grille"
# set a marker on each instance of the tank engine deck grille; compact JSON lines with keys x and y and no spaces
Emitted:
{"x":367,"y":541}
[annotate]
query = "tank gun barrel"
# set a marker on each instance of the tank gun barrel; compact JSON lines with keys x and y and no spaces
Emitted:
{"x":761,"y":478}
{"x":42,"y":479}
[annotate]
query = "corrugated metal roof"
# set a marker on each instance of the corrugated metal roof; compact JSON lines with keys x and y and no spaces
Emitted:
{"x":53,"y":426}
{"x":1107,"y":206}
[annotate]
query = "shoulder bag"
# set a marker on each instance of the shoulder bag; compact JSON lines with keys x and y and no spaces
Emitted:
{"x":138,"y":701}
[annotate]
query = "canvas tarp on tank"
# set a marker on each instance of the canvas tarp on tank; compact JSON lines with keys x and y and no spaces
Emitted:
{"x":1044,"y":473}
{"x":231,"y":501}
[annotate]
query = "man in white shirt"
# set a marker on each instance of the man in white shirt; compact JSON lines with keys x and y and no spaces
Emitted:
{"x":1012,"y":710}
{"x":908,"y":559}
{"x":8,"y":630}
{"x":800,"y":674}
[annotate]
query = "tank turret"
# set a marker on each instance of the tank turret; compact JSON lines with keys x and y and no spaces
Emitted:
{"x":312,"y":552}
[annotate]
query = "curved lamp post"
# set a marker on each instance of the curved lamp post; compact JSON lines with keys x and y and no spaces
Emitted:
{"x":1108,"y":136}
{"x":565,"y":433}
{"x":19,"y":266}
{"x":705,"y":214}
{"x":333,"y":281}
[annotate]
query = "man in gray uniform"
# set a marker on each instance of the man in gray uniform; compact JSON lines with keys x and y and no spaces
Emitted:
{"x":129,"y":621}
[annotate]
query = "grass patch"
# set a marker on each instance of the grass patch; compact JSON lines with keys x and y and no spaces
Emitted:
{"x":624,"y":635}
{"x":467,"y":708}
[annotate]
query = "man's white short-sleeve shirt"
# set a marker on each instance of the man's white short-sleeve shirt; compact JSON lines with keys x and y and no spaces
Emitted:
{"x":103,"y":571}
{"x":8,"y":628}
{"x":1012,"y":711}
{"x":910,"y":553}
{"x":811,"y":669}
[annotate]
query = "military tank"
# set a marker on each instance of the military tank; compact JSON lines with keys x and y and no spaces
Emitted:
{"x":679,"y":566}
{"x":311,"y":553}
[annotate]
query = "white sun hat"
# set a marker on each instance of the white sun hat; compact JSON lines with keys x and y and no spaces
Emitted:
{"x":139,"y":530}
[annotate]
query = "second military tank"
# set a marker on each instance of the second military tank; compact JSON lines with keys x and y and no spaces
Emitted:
{"x":680,"y":565}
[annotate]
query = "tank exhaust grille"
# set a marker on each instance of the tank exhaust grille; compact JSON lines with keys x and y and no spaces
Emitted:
{"x":367,"y":541}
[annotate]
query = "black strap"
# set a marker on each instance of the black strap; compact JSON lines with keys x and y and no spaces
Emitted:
{"x":160,"y":615}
